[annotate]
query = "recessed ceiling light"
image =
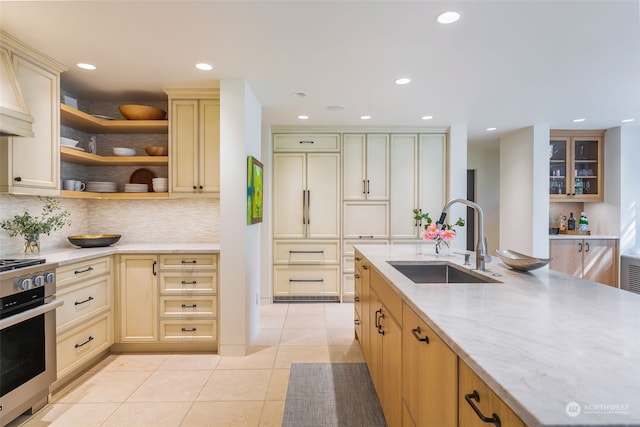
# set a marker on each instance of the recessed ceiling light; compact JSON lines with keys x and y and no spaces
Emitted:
{"x":490,"y":129}
{"x":303,"y":117}
{"x":299,"y":94}
{"x":403,"y":81}
{"x":448,"y":17}
{"x":427,"y":117}
{"x":204,"y":67}
{"x":86,"y":66}
{"x":578,"y":120}
{"x":335,"y":108}
{"x":365,"y":117}
{"x":627,"y":120}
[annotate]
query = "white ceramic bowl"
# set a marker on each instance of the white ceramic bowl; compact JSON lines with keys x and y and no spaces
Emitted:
{"x":120,"y":151}
{"x":68,"y":142}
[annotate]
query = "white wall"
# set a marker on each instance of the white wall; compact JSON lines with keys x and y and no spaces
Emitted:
{"x":486,"y":163}
{"x":240,"y":125}
{"x":524,"y":198}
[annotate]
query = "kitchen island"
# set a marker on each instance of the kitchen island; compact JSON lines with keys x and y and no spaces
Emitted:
{"x":558,"y":350}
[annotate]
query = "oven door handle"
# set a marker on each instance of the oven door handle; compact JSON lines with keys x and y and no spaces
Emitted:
{"x":26,"y":315}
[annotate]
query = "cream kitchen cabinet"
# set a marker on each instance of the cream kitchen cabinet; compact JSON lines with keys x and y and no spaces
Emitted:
{"x":30,"y":165}
{"x":576,"y":166}
{"x":167,"y":302}
{"x":418,"y":181}
{"x":385,"y":346}
{"x":478,"y":405}
{"x":84,"y":323}
{"x":307,"y":142}
{"x":365,"y":169}
{"x":194,"y":141}
{"x":589,"y":258}
{"x":429,"y":375}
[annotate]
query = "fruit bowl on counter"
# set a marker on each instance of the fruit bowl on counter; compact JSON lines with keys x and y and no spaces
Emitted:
{"x":94,"y":240}
{"x":521,"y":262}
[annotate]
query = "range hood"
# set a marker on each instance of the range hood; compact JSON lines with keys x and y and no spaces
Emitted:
{"x":15,"y":119}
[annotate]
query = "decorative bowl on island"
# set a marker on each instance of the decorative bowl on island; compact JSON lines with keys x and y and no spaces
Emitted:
{"x":521,"y":262}
{"x":94,"y":240}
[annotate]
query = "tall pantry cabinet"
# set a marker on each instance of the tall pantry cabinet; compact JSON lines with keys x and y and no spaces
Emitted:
{"x":306,"y":212}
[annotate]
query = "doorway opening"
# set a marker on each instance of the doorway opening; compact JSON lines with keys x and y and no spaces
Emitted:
{"x":470,"y":223}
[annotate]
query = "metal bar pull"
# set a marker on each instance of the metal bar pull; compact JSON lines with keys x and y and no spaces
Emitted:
{"x":83,"y":302}
{"x":495,"y":420}
{"x":368,"y":186}
{"x":365,"y":237}
{"x":189,"y":306}
{"x":189,"y":282}
{"x":306,"y":252}
{"x":86,"y":270}
{"x":306,"y":280}
{"x":579,"y":247}
{"x":192,"y":261}
{"x":416,"y":333}
{"x":308,"y":206}
{"x":153,"y":268}
{"x":587,"y":246}
{"x":86,"y":342}
{"x":364,"y":186}
{"x":304,"y":206}
{"x":188,"y":329}
{"x":306,"y":142}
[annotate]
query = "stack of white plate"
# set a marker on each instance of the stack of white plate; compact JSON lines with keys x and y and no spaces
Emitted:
{"x":159,"y":185}
{"x":102,"y":187}
{"x":136,"y":188}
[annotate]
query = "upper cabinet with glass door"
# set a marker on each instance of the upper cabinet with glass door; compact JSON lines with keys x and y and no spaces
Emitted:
{"x":576,"y":166}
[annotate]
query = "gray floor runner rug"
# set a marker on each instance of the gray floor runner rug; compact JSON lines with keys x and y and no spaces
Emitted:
{"x":331,"y":394}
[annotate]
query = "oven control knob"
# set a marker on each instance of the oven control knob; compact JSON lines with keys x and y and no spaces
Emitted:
{"x":25,"y":284}
{"x":50,"y":277}
{"x":38,"y":281}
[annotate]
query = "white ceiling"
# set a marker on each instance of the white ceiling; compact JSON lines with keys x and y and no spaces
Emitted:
{"x":505,"y":64}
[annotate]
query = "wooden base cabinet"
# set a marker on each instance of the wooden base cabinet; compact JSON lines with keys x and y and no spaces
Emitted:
{"x":476,"y":400}
{"x":591,"y":259}
{"x":385,"y":347}
{"x":84,"y":323}
{"x":429,"y":375}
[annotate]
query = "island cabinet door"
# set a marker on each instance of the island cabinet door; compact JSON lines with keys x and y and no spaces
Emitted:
{"x":429,"y":375}
{"x":600,"y":261}
{"x":566,"y":256}
{"x":476,"y":400}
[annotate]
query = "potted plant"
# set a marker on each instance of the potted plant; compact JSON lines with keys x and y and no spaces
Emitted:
{"x":31,"y":227}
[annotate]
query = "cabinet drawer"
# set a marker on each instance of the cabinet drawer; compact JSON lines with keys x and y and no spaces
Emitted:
{"x":188,"y":262}
{"x":306,"y":281}
{"x":188,"y":307}
{"x":70,"y":274}
{"x":348,"y":249}
{"x":285,"y":252}
{"x":80,"y":344}
{"x":82,"y":301}
{"x":188,"y":330}
{"x":306,"y":142}
{"x":188,"y":283}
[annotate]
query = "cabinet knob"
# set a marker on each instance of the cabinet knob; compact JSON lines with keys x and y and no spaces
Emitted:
{"x":17,"y":179}
{"x":200,"y":188}
{"x":195,"y":188}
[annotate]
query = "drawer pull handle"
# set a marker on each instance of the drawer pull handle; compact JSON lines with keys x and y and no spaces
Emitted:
{"x":358,"y":258}
{"x":356,"y":298}
{"x":306,"y":280}
{"x":153,"y":268}
{"x":356,"y":276}
{"x":306,"y":142}
{"x":357,"y":322}
{"x":85,"y":343}
{"x":188,"y":329}
{"x":365,"y":237}
{"x":192,"y":282}
{"x":82,"y":302}
{"x":193,"y":261}
{"x":495,"y":420}
{"x":189,"y":306}
{"x":306,"y":252}
{"x":86,"y":270}
{"x":416,"y":333}
{"x":377,"y":322}
{"x":365,"y":267}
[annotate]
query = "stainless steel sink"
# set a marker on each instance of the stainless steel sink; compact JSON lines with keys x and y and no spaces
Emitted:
{"x":438,"y":272}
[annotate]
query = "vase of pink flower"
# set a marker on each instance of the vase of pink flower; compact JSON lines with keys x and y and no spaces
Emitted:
{"x":441,"y":234}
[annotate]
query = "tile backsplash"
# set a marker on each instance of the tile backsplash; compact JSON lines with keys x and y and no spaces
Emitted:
{"x":193,"y":220}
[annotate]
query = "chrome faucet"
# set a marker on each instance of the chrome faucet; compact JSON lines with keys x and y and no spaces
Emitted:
{"x":481,"y":244}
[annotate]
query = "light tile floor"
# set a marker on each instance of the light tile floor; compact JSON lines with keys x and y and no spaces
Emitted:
{"x":208,"y":390}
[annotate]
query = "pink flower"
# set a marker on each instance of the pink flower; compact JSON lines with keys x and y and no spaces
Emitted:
{"x":431,"y":232}
{"x":447,"y":235}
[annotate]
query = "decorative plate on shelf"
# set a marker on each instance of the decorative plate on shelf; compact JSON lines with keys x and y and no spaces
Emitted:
{"x":143,"y":176}
{"x":101,"y":117}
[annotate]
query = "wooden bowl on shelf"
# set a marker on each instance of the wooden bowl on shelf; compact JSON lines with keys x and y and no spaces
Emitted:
{"x":152,"y":150}
{"x":141,"y":112}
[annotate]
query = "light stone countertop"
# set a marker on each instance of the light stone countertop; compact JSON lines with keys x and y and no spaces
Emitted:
{"x":64,"y":256}
{"x":541,"y":340}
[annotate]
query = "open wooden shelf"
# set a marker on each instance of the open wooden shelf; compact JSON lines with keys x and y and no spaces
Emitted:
{"x":84,"y":122}
{"x":83,"y":158}
{"x":121,"y":196}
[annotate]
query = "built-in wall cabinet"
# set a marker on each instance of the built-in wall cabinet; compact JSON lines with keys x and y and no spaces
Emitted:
{"x":334,"y":190}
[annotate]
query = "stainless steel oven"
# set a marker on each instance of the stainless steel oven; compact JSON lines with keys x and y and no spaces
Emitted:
{"x":27,"y":335}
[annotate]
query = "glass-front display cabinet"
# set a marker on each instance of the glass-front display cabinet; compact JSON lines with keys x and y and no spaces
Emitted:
{"x":576,"y":166}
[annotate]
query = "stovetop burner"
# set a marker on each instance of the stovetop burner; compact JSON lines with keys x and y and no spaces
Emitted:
{"x":13,"y":264}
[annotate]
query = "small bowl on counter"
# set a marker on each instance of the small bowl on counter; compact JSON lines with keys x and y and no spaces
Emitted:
{"x":94,"y":240}
{"x":121,"y":151}
{"x":521,"y":262}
